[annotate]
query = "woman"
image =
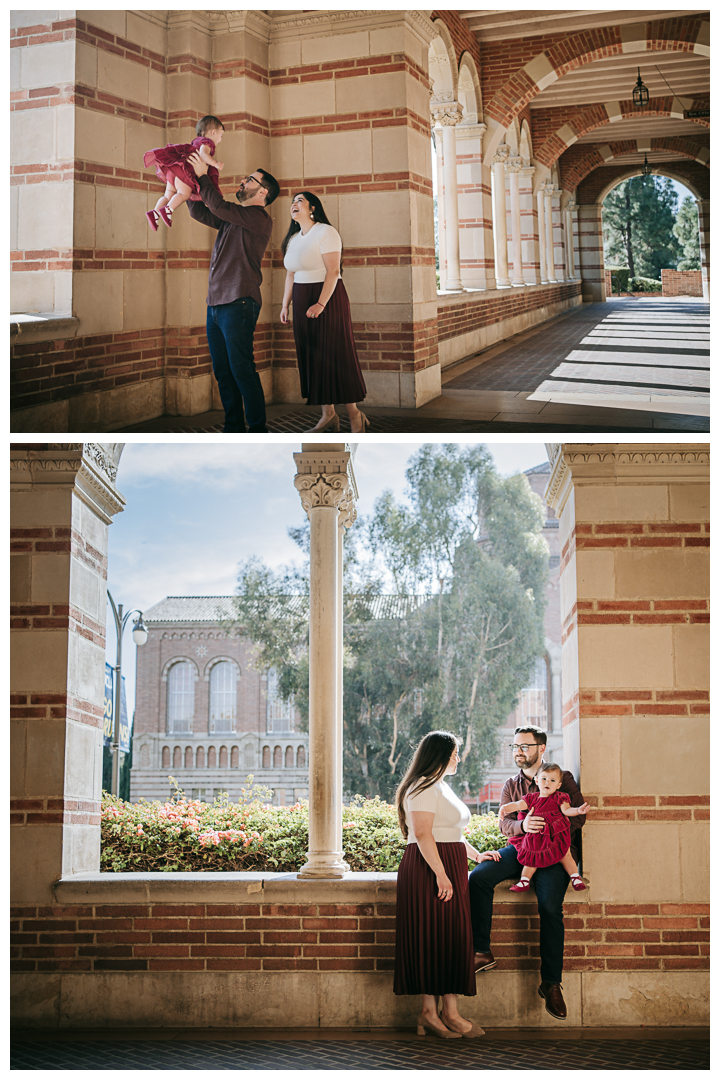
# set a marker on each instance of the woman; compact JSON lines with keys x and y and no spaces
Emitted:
{"x":327,"y":358}
{"x":434,"y":947}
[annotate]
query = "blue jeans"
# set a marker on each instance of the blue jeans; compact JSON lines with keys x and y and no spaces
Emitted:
{"x":230,"y":330}
{"x":550,"y":884}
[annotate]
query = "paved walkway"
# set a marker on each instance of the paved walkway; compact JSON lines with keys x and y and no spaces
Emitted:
{"x":628,"y":365}
{"x":298,"y":1051}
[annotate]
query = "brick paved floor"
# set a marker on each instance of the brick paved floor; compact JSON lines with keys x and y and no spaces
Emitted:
{"x":623,"y":366}
{"x":389,"y":1051}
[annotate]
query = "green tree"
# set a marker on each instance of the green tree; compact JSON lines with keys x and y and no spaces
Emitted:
{"x":444,"y":604}
{"x":687,"y":231}
{"x":638,"y":220}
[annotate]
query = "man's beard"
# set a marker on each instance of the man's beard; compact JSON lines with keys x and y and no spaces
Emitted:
{"x":242,"y":195}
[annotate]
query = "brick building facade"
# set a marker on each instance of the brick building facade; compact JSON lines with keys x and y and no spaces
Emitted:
{"x":205,"y":715}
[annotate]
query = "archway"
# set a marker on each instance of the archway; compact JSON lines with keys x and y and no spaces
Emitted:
{"x":703,"y":208}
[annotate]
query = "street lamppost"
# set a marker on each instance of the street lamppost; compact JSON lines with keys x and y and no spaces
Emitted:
{"x":140,"y":636}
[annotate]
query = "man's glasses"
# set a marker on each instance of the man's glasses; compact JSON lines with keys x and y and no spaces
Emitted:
{"x":259,"y":182}
{"x":522,"y":746}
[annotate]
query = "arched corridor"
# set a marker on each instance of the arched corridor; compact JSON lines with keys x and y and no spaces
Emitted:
{"x":533,"y":119}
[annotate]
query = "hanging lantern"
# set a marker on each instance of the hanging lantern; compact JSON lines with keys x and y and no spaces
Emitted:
{"x":641,"y":94}
{"x":646,"y":168}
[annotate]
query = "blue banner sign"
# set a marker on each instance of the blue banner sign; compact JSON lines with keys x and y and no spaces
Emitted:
{"x":124,"y":733}
{"x":108,"y":713}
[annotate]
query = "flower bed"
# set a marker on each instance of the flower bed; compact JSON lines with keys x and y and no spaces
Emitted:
{"x":187,"y":835}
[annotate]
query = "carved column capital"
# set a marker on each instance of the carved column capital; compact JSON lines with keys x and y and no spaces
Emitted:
{"x":326,"y":479}
{"x":513,"y":165}
{"x":446,"y":113}
{"x":501,"y":155}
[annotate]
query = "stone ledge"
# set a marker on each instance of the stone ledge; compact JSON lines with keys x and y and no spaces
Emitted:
{"x":474,"y":296}
{"x":251,"y":888}
{"x":42,"y":326}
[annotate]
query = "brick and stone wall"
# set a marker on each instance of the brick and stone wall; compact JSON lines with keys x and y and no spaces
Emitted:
{"x":468,"y":325}
{"x":681,"y":282}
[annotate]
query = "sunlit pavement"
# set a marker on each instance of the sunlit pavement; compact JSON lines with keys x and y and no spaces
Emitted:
{"x":632,"y":1049}
{"x":628,"y":365}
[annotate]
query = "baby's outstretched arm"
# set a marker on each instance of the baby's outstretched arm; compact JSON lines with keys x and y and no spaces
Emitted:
{"x":573,"y":811}
{"x":512,"y":808}
{"x":209,"y":159}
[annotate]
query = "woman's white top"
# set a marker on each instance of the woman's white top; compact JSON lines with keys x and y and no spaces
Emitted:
{"x":304,"y":255}
{"x":451,"y":815}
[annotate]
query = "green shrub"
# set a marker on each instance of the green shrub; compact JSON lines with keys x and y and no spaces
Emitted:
{"x":251,"y":835}
{"x":620,"y":278}
{"x":643,"y":284}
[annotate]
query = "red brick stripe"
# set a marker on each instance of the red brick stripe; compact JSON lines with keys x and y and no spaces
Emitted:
{"x":638,"y":808}
{"x":350,"y":69}
{"x":642,"y":535}
{"x":51,"y":811}
{"x":32,"y":706}
{"x":342,"y":937}
{"x":599,"y":702}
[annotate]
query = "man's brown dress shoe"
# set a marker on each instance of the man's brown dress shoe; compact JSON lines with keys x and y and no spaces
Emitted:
{"x":483,"y":961}
{"x":554,"y":1001}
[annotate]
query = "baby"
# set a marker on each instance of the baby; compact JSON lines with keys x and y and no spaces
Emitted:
{"x":171,"y":165}
{"x":552,"y":844}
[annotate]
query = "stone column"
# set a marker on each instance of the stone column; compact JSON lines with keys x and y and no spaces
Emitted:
{"x":473,"y":188}
{"x":634,"y":532}
{"x":502,"y":280}
{"x":591,"y":253}
{"x":570,"y":239}
{"x":528,"y":227}
{"x":63,"y":498}
{"x":548,"y":190}
{"x":541,"y":234}
{"x":703,"y":206}
{"x":448,"y":114}
{"x":327,"y":491}
{"x":440,"y":187}
{"x":512,"y":168}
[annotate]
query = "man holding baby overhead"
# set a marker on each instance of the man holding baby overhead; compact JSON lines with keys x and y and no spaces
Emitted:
{"x":234,"y":288}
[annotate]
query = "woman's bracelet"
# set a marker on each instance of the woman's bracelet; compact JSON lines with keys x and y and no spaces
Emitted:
{"x":319,"y":304}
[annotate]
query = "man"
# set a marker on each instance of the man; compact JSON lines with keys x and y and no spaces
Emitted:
{"x":234,"y":298}
{"x":550,"y":882}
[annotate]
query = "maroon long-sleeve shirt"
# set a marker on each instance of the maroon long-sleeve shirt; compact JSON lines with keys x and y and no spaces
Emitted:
{"x":517,"y":787}
{"x":243,"y":234}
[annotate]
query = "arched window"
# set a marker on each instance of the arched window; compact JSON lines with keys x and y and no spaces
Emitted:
{"x":223,"y":697}
{"x":301,"y":757}
{"x":177,"y":758}
{"x":188,"y":757}
{"x":181,"y":698}
{"x":223,"y":757}
{"x":266,"y":757}
{"x":200,"y":758}
{"x":280,"y":711}
{"x":212,"y":758}
{"x":289,"y":757}
{"x":234,"y":758}
{"x":250,"y":757}
{"x":277,"y":757}
{"x":145,"y":757}
{"x":166,"y":757}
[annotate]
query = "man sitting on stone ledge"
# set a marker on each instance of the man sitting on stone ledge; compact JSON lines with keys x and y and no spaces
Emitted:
{"x":550,"y":882}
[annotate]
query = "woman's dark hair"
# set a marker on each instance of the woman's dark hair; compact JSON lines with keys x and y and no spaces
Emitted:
{"x":550,"y":766}
{"x":208,"y":123}
{"x":428,"y":765}
{"x":318,"y":213}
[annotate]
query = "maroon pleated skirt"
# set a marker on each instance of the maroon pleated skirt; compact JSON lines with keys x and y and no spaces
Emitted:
{"x":433,"y":939}
{"x":327,"y":358}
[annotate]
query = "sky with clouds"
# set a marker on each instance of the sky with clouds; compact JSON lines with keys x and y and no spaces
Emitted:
{"x":195,"y":510}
